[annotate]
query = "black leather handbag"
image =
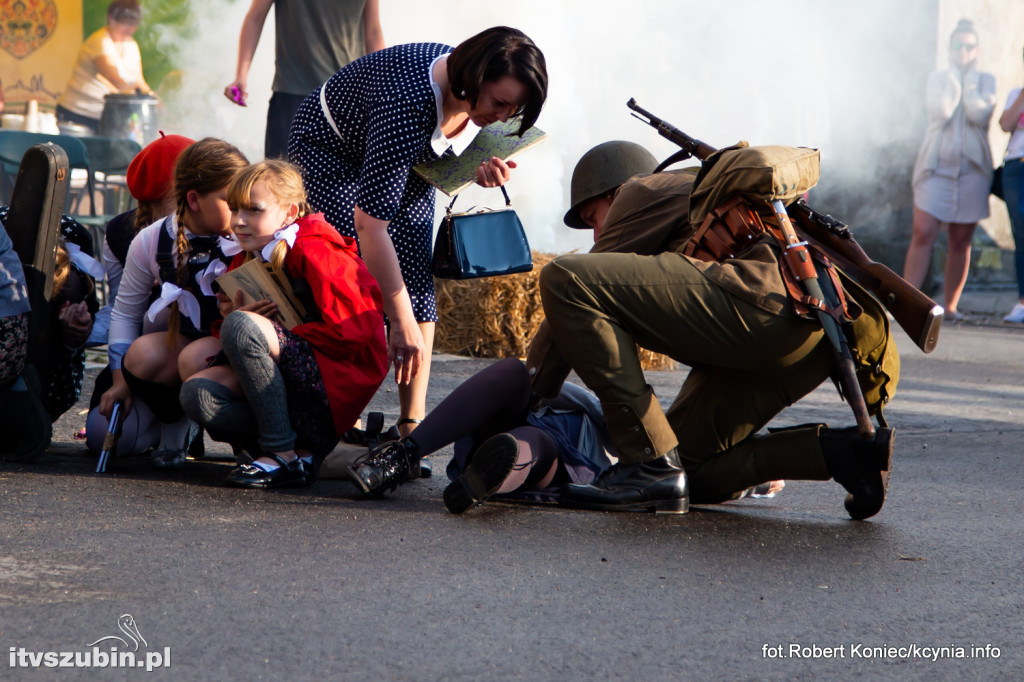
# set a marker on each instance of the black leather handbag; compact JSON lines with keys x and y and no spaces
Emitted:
{"x":483,"y":243}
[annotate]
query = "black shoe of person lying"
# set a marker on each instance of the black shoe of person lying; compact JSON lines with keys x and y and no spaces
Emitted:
{"x":490,"y":465}
{"x":386,"y":467}
{"x":658,"y":485}
{"x":426,"y":469}
{"x":861,"y":466}
{"x":291,"y":474}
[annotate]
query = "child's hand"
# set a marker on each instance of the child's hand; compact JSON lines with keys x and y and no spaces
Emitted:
{"x":75,"y":323}
{"x":266,"y":308}
{"x":225,"y":305}
{"x":118,"y":392}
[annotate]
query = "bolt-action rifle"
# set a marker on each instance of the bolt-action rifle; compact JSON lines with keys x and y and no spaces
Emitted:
{"x":918,"y":315}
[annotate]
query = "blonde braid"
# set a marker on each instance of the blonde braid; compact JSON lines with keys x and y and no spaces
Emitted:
{"x":277,"y":258}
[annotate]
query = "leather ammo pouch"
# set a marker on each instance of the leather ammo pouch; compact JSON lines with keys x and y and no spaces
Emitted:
{"x":727,"y":231}
{"x":735,"y":226}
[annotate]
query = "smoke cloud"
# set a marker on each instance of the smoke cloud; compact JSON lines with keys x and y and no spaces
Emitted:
{"x":845,"y":78}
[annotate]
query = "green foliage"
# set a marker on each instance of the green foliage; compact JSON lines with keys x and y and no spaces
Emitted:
{"x":160,"y":19}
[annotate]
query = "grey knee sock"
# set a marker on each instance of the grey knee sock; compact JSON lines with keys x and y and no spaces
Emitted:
{"x":215,"y":406}
{"x":261,"y":380}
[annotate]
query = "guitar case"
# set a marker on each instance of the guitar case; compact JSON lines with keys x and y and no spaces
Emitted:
{"x":33,"y":224}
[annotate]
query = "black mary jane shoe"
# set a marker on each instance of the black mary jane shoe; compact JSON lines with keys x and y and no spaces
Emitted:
{"x":287,"y":475}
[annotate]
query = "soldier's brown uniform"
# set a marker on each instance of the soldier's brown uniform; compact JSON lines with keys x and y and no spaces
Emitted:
{"x":750,"y":354}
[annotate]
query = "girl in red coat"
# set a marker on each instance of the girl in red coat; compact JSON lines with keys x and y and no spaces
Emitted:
{"x":303,"y":386}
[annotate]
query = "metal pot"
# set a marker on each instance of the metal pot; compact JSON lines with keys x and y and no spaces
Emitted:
{"x":129,"y":116}
{"x":74,"y":129}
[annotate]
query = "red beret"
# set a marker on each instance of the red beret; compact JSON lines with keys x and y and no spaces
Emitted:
{"x":151,"y":172}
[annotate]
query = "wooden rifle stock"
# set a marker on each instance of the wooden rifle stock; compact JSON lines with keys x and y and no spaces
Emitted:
{"x":918,"y":315}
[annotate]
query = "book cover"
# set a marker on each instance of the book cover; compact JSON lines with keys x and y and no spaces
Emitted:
{"x":452,"y":174}
{"x":257,"y":283}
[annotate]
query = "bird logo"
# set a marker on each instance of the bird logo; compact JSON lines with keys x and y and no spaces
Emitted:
{"x":127,"y":625}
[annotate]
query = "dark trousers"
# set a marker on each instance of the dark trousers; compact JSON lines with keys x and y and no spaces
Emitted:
{"x":279,"y":123}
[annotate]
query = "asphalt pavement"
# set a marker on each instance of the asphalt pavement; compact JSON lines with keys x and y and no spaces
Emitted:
{"x":318,"y":584}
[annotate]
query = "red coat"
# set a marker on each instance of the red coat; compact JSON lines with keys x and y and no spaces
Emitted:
{"x":349,"y":343}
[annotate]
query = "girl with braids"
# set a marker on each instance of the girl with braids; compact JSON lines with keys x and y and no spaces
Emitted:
{"x":305,"y":386}
{"x":178,"y":253}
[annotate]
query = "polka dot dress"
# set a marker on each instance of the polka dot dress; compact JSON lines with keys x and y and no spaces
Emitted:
{"x":385,"y":110}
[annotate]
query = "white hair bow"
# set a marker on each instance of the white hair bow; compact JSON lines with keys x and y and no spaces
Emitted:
{"x":171,"y":293}
{"x":84,"y":261}
{"x":229,"y":247}
{"x":286,"y":234}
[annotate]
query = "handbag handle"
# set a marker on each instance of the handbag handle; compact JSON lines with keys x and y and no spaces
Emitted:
{"x":508,"y":202}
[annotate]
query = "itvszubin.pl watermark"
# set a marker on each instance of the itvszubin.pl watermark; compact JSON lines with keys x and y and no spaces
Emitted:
{"x":118,"y":652}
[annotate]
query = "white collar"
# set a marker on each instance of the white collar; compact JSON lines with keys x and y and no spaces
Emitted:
{"x":438,"y":142}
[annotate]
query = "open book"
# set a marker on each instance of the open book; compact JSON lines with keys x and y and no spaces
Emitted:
{"x":452,"y":174}
{"x":257,"y":283}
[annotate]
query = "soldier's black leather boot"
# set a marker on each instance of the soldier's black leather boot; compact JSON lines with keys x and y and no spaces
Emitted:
{"x":658,"y":485}
{"x":861,"y":466}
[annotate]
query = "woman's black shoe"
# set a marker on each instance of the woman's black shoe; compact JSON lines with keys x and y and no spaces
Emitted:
{"x":287,"y":475}
{"x":426,"y":468}
{"x":385,"y":467}
{"x":492,"y":462}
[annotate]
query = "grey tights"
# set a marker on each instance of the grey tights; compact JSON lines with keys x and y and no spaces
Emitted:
{"x":261,"y":381}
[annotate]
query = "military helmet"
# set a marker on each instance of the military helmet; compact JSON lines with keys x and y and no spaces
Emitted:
{"x":601,"y":170}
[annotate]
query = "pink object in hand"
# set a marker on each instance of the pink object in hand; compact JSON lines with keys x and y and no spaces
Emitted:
{"x":237,"y":94}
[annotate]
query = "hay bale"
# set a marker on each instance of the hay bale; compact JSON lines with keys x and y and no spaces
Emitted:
{"x":496,"y":317}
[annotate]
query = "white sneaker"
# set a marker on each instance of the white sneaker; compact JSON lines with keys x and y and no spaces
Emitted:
{"x":1015,"y":315}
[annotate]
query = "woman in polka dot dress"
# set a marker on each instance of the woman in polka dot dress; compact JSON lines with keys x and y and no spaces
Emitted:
{"x":358,"y":136}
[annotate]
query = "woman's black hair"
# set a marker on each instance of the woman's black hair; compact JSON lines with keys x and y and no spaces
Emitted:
{"x":127,"y":12}
{"x":963,"y":26}
{"x":494,"y":53}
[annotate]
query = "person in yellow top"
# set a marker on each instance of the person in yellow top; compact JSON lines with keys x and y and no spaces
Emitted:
{"x":108,"y":62}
